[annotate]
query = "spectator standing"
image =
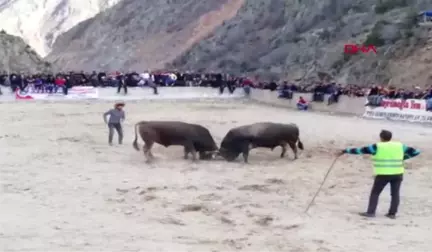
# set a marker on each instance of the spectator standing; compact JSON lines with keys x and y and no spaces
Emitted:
{"x":16,"y":82}
{"x":121,"y":83}
{"x":247,"y":85}
{"x":94,"y":79}
{"x":231,"y":84}
{"x":60,"y":82}
{"x":151,"y":83}
{"x":116,"y":118}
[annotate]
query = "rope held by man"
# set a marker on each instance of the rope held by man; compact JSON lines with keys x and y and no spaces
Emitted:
{"x":322,"y":184}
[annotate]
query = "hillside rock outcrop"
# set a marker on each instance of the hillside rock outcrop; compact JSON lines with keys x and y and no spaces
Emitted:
{"x":292,"y":39}
{"x":298,"y":39}
{"x":140,"y":34}
{"x":40,"y":22}
{"x":17,"y":56}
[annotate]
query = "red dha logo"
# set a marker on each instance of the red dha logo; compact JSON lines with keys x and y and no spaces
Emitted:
{"x":354,"y":49}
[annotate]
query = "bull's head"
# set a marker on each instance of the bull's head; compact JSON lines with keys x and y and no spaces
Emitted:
{"x":209,"y":155}
{"x":228,"y":155}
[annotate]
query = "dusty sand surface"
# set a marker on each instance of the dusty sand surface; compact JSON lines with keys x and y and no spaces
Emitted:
{"x":64,"y":189}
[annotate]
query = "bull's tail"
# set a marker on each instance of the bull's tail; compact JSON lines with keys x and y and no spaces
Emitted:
{"x":300,"y":144}
{"x":135,"y":142}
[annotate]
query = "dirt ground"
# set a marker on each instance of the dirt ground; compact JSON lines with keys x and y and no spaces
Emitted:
{"x":64,"y":189}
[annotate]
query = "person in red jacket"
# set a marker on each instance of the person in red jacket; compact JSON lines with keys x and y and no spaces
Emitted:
{"x":60,"y":82}
{"x":302,"y":104}
{"x":247,"y":85}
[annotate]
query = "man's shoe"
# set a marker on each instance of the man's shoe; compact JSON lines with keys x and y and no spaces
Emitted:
{"x":391,"y":216}
{"x":366,"y":214}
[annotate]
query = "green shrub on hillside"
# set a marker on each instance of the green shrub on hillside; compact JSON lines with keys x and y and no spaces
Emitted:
{"x":386,"y":5}
{"x":374,"y":37}
{"x":410,"y":20}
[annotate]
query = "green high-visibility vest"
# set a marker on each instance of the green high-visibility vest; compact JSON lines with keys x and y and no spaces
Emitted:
{"x":389,"y":158}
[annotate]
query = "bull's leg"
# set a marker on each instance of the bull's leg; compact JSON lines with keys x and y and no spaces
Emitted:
{"x":186,"y":152}
{"x":194,"y":153}
{"x":147,"y":151}
{"x":189,"y":148}
{"x":294,"y":148}
{"x":283,"y":145}
{"x":151,"y":151}
{"x":206,"y":155}
{"x":245,"y":151}
{"x":203,"y":155}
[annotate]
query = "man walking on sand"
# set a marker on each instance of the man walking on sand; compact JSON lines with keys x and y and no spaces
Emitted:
{"x":121,"y":83}
{"x":388,"y":160}
{"x":116,"y":117}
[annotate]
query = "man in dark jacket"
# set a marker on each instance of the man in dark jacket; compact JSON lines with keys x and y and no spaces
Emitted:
{"x":16,"y":82}
{"x":121,"y":83}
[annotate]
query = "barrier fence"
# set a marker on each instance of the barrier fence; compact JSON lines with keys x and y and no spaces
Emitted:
{"x":140,"y":93}
{"x":375,"y":107}
{"x":412,"y":110}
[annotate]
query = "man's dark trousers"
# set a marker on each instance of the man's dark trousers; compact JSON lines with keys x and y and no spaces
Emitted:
{"x":380,"y":182}
{"x":122,"y":85}
{"x":118,"y":128}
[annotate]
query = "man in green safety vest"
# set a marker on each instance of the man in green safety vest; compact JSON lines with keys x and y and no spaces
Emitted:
{"x":388,"y":160}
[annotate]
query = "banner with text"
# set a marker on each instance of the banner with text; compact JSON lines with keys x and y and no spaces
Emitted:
{"x":411,"y":110}
{"x":75,"y":93}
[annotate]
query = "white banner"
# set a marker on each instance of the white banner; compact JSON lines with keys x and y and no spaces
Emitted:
{"x":75,"y":93}
{"x":411,"y":110}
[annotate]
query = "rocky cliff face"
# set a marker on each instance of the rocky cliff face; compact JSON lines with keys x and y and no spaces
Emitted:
{"x":40,"y":22}
{"x":137,"y":34}
{"x":293,"y":39}
{"x":300,"y":38}
{"x":16,"y":56}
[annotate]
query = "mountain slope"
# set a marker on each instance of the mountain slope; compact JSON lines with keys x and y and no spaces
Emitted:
{"x":139,"y":34}
{"x":294,"y":39}
{"x":40,"y":22}
{"x":298,"y":39}
{"x":16,"y":56}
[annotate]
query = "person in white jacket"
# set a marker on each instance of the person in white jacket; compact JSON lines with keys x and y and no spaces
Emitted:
{"x":148,"y":79}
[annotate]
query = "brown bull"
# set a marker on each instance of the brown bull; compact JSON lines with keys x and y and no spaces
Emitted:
{"x":193,"y":137}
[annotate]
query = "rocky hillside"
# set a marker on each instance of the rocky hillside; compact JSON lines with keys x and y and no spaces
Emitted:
{"x":138,"y":34}
{"x":294,"y":39}
{"x":16,"y":56}
{"x":299,"y":38}
{"x":40,"y":22}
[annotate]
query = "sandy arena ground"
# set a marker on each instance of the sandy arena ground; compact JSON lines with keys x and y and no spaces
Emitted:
{"x":64,"y":189}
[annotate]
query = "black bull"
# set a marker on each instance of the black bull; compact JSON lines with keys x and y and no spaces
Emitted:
{"x":193,"y":137}
{"x":268,"y":135}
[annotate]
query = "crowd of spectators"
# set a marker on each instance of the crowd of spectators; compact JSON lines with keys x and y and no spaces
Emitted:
{"x":331,"y":93}
{"x":52,"y":82}
{"x":377,"y":94}
{"x":401,"y":93}
{"x":285,"y":89}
